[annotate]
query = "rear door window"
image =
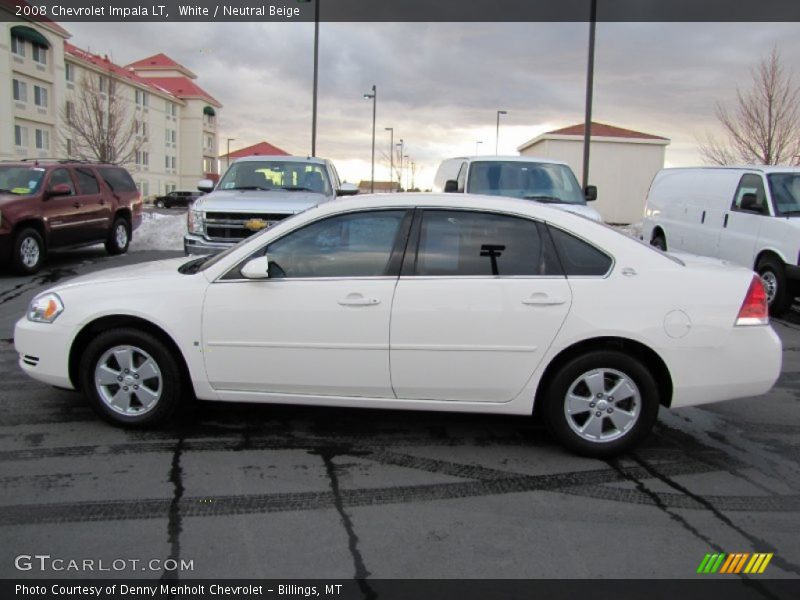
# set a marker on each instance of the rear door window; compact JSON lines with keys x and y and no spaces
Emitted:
{"x":579,"y":258}
{"x":119,"y":180}
{"x":87,"y":182}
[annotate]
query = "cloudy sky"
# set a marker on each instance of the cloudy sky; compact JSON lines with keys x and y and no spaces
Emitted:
{"x":440,"y":84}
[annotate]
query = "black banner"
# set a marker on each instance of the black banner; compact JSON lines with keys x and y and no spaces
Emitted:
{"x":401,"y":10}
{"x":705,"y":588}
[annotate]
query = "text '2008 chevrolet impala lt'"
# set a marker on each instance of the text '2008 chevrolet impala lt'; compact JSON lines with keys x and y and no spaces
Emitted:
{"x":422,"y":302}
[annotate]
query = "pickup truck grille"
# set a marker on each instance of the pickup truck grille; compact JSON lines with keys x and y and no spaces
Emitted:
{"x":224,"y":227}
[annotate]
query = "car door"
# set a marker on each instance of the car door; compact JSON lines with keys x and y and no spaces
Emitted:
{"x":319,"y":325}
{"x":62,"y":212}
{"x":94,"y":211}
{"x":476,"y":308}
{"x":742,"y":223}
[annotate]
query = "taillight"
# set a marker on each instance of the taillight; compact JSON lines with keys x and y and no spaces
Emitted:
{"x":755,"y":310}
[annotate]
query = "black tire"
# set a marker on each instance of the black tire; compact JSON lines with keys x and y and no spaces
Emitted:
{"x":116,"y":243}
{"x":28,"y":253}
{"x":773,"y":274}
{"x":159,"y":203}
{"x":169,"y":387}
{"x":555,"y":400}
{"x":659,"y":242}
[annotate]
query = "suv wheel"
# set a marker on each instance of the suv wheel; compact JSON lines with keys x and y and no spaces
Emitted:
{"x":773,"y":275}
{"x":119,"y":237}
{"x":28,"y":252}
{"x":159,"y":204}
{"x":601,"y":403}
{"x":130,"y":378}
{"x":659,"y":242}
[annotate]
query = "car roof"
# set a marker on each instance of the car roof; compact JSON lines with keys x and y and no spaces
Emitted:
{"x":524,"y":159}
{"x":44,"y":163}
{"x":759,"y":168}
{"x":282,"y":158}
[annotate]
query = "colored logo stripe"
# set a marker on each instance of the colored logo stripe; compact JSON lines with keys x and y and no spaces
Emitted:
{"x":711,"y":563}
{"x":719,"y":562}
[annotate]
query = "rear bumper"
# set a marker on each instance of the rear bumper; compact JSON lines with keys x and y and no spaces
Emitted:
{"x":195,"y":244}
{"x":747,"y":365}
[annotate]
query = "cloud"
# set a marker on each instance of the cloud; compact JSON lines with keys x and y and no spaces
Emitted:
{"x":439,"y":84}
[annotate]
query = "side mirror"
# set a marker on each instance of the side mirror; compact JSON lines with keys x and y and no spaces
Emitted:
{"x":257,"y":268}
{"x":205,"y":185}
{"x":450,"y":186}
{"x":60,"y":189}
{"x":590,"y":191}
{"x":347,"y":189}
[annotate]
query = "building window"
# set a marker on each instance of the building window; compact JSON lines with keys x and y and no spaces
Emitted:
{"x":40,"y":96}
{"x":208,"y":165}
{"x":69,"y":72}
{"x":21,"y":136}
{"x":210,"y":143}
{"x":166,"y":136}
{"x":69,"y":148}
{"x":102,"y":85}
{"x":141,"y":98}
{"x":20,"y":90}
{"x":174,"y":136}
{"x":42,"y":139}
{"x":141,"y":128}
{"x":174,"y":163}
{"x":142,"y":158}
{"x":17,"y":46}
{"x":39,"y":54}
{"x":70,"y":111}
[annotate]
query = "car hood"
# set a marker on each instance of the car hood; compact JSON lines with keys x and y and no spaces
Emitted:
{"x":248,"y":201}
{"x":160,"y":269}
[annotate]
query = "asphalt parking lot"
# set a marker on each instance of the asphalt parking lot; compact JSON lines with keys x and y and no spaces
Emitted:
{"x":288,"y":492}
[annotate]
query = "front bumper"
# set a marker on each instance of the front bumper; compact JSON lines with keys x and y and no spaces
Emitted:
{"x":196,"y":244}
{"x":44,"y":351}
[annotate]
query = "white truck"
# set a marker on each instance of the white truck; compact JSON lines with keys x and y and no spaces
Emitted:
{"x":747,"y":215}
{"x":538,"y":180}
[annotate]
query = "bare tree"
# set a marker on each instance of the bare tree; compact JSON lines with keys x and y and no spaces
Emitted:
{"x":764,"y":125}
{"x":98,"y":122}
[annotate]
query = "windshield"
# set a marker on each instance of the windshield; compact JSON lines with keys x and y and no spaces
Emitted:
{"x":277,"y":175}
{"x":785,"y":191}
{"x":20,"y":180}
{"x":530,"y":180}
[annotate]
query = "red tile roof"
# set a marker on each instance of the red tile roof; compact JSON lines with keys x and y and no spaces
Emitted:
{"x":102,"y":62}
{"x":603,"y":130}
{"x":12,"y":4}
{"x":157,"y":62}
{"x":260,"y":149}
{"x":182,"y":87}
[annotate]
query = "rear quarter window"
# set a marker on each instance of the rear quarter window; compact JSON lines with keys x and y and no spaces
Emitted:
{"x":579,"y":258}
{"x":119,"y":180}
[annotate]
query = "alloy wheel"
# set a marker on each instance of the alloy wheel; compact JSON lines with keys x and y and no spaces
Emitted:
{"x":602,"y":405}
{"x":128,"y":380}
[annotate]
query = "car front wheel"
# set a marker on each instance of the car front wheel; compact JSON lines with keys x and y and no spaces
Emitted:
{"x":119,"y":237}
{"x":130,"y":378}
{"x":601,"y":403}
{"x":28,"y":252}
{"x":159,"y":204}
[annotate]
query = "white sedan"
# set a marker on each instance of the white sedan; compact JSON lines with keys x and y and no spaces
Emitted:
{"x":422,"y":302}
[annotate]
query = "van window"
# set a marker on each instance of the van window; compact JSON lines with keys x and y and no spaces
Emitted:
{"x":462,"y":177}
{"x":750,"y":196}
{"x":785,"y":191}
{"x":543,"y":182}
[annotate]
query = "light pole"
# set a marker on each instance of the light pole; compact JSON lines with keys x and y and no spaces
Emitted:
{"x":316,"y":77}
{"x":400,"y":168}
{"x":374,"y":97}
{"x":477,"y":143}
{"x":587,"y":125}
{"x":406,"y":162}
{"x":391,"y":154}
{"x":228,"y":156}
{"x":497,"y":135}
{"x":413,"y":172}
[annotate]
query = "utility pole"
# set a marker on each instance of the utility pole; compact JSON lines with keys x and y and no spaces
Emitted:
{"x":400,"y":168}
{"x":587,"y":125}
{"x":374,"y":97}
{"x":228,"y":156}
{"x":391,"y":155}
{"x":316,"y":78}
{"x":497,"y":136}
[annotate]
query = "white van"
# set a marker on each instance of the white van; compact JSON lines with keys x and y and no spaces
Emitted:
{"x":747,"y":215}
{"x":540,"y":180}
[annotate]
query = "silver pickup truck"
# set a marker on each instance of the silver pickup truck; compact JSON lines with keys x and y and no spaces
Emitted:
{"x":255,"y":193}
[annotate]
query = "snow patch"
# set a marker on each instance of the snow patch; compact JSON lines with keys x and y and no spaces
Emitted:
{"x":159,"y":232}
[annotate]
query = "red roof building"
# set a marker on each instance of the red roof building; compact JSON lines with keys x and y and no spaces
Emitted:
{"x":603,"y":130}
{"x":260,"y":149}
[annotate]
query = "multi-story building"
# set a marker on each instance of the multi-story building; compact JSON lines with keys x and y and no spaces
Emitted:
{"x":174,"y":118}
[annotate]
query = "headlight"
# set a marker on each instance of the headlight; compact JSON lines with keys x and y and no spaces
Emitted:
{"x":195,"y":221}
{"x":45,"y":308}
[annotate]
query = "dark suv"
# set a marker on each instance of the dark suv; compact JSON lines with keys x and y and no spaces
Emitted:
{"x":61,"y":204}
{"x":176,"y":199}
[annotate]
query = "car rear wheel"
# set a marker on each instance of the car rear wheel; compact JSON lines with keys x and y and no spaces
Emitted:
{"x":773,"y":275}
{"x":601,"y":403}
{"x":119,"y":237}
{"x":28,"y":252}
{"x":159,"y":204}
{"x":659,"y":242}
{"x":130,"y":378}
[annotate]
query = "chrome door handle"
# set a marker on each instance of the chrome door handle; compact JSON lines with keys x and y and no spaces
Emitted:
{"x":358,"y":300}
{"x":543,"y":300}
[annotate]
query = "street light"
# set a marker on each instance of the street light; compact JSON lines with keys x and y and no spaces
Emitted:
{"x":391,"y":154}
{"x":497,"y":136}
{"x":477,"y":143}
{"x":316,"y":78}
{"x":374,"y":97}
{"x":405,"y":158}
{"x":228,"y":156}
{"x":400,"y":168}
